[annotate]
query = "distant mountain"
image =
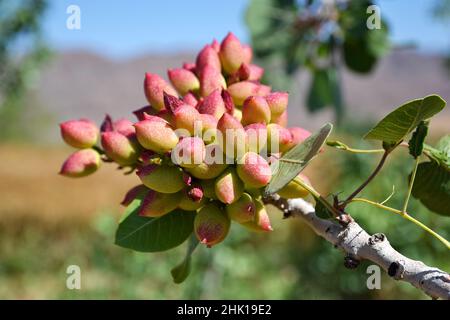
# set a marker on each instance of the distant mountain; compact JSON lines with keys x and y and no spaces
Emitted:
{"x":77,"y":84}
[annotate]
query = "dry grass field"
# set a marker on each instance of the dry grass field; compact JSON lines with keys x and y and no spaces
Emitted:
{"x":30,"y":186}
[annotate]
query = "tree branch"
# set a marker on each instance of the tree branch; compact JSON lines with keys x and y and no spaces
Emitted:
{"x":359,"y":245}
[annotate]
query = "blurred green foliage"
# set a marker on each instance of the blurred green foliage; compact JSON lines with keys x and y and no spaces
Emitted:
{"x":441,"y":10}
{"x":22,"y":51}
{"x":317,"y":36}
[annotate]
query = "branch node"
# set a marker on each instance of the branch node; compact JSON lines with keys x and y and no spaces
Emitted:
{"x":376,"y":238}
{"x":350,"y":262}
{"x":344,"y":219}
{"x":392,"y":270}
{"x":396,"y":270}
{"x":287,"y":214}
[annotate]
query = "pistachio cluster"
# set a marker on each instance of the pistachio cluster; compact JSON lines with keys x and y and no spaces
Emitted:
{"x":203,"y":144}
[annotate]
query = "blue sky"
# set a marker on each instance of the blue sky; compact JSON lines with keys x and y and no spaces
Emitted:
{"x":122,"y":29}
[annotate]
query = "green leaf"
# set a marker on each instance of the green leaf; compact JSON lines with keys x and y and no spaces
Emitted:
{"x":319,"y":93}
{"x":336,"y":92}
{"x":322,"y":211}
{"x":440,"y":156}
{"x":133,"y":206}
{"x":399,"y":123}
{"x":296,"y":159}
{"x":325,"y":91}
{"x":296,"y":55}
{"x":432,"y":187}
{"x":417,"y":139}
{"x":361,"y":52}
{"x":378,"y":41}
{"x":443,"y":145}
{"x":147,"y":234}
{"x":361,"y":46}
{"x":357,"y":55}
{"x":181,"y":271}
{"x":432,"y":183}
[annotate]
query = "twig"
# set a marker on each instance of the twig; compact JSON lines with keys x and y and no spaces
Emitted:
{"x":365,"y":183}
{"x":390,"y":196}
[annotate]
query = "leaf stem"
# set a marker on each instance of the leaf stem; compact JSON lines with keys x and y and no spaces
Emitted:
{"x":411,"y":183}
{"x":364,"y":150}
{"x":365,"y":183}
{"x":342,"y":146}
{"x":407,"y":217}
